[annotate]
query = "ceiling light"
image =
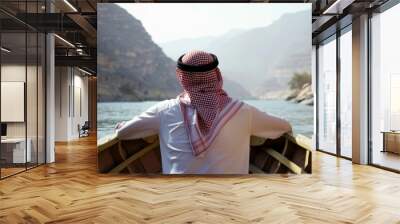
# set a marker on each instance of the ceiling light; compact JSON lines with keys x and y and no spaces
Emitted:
{"x":5,"y":50}
{"x":337,"y":7}
{"x":84,"y":71}
{"x":70,"y":5}
{"x":65,"y":41}
{"x":80,"y":51}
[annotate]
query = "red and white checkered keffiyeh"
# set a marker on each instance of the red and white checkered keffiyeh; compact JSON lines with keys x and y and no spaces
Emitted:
{"x":203,"y":92}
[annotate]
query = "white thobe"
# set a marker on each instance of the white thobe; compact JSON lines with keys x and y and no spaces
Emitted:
{"x":228,"y":154}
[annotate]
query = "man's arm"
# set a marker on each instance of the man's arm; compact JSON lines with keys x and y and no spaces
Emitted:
{"x":267,"y":126}
{"x":143,"y":125}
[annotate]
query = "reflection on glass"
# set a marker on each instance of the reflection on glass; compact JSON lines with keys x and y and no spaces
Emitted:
{"x":346,"y":94}
{"x":327,"y":96}
{"x":385,"y":83}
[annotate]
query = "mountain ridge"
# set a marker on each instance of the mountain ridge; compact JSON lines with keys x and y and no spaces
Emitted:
{"x":264,"y":53}
{"x":131,"y":67}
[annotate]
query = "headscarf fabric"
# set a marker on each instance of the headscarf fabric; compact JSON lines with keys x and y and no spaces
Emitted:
{"x":203,"y":92}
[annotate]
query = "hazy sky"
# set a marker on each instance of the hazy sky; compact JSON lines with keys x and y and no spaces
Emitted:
{"x":172,"y":21}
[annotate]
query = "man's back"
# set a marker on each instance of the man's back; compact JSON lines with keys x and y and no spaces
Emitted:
{"x":203,"y":130}
{"x":227,"y":154}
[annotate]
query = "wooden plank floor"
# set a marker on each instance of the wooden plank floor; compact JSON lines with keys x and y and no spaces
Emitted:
{"x":70,"y":191}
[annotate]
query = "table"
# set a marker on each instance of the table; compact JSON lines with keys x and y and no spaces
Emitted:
{"x":391,"y":141}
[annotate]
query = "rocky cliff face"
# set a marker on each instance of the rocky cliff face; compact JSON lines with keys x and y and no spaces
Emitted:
{"x":131,"y":66}
{"x":303,"y":95}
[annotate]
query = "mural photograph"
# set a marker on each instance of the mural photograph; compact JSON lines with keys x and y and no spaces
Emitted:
{"x":198,"y":89}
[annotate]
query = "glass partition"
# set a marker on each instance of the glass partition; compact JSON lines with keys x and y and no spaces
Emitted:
{"x":14,"y":153}
{"x":327,"y":95}
{"x":22,"y":101}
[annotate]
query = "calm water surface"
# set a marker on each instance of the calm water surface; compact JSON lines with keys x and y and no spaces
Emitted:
{"x":300,"y":116}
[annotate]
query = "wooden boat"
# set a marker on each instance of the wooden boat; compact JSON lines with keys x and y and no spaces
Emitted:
{"x":287,"y":154}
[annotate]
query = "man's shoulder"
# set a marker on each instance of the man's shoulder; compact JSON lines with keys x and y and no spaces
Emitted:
{"x":173,"y":104}
{"x":247,"y":108}
{"x":167,"y":104}
{"x":244,"y":105}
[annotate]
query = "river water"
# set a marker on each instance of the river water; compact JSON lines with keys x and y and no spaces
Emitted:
{"x":299,"y":115}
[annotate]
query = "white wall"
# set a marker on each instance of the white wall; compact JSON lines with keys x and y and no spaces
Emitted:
{"x":33,"y":126}
{"x":80,"y":115}
{"x":62,"y":81}
{"x":71,"y":94}
{"x":16,"y":73}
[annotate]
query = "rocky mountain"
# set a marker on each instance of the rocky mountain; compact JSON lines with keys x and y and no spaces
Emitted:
{"x":276,"y":86}
{"x":260,"y":59}
{"x":236,"y":90}
{"x":131,"y":67}
{"x":303,"y":95}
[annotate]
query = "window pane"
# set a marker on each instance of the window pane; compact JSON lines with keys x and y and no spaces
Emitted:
{"x":346,"y":94}
{"x":327,"y":96}
{"x":386,"y":89}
